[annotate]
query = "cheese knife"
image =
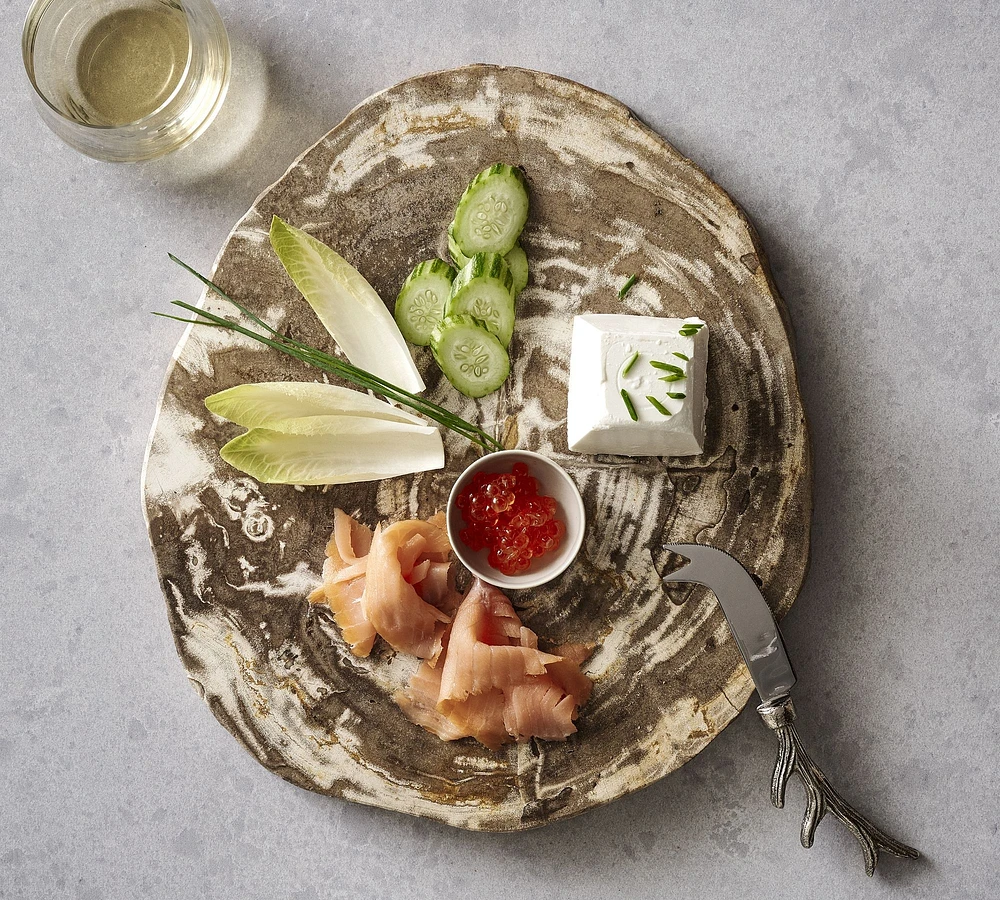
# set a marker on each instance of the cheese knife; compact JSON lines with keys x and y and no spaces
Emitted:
{"x":759,"y":641}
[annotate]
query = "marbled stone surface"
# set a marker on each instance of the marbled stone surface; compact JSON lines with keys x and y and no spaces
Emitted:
{"x":864,"y":145}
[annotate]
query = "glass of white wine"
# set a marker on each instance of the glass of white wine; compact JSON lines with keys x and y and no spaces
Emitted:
{"x":126,"y":80}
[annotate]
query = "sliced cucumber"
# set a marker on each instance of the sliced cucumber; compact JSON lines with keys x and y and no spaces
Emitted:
{"x":421,"y":301}
{"x":484,"y":289}
{"x":472,"y":358}
{"x":457,"y":256}
{"x":517,"y":260}
{"x":492,"y":211}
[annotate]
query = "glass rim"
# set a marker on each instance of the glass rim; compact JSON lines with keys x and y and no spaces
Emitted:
{"x":31,"y":20}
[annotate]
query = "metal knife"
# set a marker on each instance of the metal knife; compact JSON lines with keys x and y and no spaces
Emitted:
{"x":759,"y":640}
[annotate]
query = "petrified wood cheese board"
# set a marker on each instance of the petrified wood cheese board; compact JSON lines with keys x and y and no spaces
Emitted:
{"x":237,"y":559}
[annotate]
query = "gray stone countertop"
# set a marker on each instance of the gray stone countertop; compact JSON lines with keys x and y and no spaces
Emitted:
{"x":863,"y":139}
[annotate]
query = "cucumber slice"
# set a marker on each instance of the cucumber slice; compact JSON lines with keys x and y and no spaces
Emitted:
{"x":484,"y":289}
{"x":472,"y":358}
{"x":517,"y":260}
{"x":492,"y":211}
{"x":421,"y":301}
{"x":457,"y":256}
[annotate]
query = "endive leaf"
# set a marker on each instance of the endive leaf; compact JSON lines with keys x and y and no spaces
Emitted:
{"x":347,"y":305}
{"x":271,"y":403}
{"x":335,"y":450}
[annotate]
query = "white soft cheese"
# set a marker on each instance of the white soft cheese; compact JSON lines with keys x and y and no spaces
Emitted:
{"x":599,"y":421}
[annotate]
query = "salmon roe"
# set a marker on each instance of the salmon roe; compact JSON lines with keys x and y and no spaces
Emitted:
{"x":505,"y":514}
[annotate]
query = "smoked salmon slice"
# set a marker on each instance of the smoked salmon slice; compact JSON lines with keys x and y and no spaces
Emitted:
{"x":541,"y":709}
{"x":407,"y":622}
{"x":494,"y":684}
{"x":482,"y":674}
{"x":394,"y":582}
{"x":437,"y":586}
{"x":419,"y":702}
{"x":344,"y":581}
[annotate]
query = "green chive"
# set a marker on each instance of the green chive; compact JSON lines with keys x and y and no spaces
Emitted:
{"x":629,"y":405}
{"x":691,"y":328}
{"x":627,"y":287}
{"x":676,"y":396}
{"x":659,"y":407}
{"x":669,"y":378}
{"x":683,"y":356}
{"x":630,"y":363}
{"x":327,"y":363}
{"x":666,"y":367}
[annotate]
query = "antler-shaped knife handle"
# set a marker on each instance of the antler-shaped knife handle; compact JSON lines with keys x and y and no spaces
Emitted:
{"x":821,"y":797}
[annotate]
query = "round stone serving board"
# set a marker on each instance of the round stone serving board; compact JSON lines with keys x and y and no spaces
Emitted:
{"x":609,"y":199}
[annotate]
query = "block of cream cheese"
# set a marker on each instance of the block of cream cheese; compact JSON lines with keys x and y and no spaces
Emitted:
{"x":599,"y":418}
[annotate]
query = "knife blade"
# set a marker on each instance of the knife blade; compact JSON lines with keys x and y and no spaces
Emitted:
{"x":747,"y":612}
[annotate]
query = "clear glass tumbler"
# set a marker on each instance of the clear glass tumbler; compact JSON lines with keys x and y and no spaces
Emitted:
{"x":126,"y":80}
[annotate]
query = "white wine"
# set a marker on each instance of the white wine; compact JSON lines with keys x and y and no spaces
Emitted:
{"x":125,"y":80}
{"x":130,"y":62}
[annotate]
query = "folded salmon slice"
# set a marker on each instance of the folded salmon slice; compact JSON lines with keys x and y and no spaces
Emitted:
{"x":481,"y":716}
{"x":419,"y":702}
{"x":541,"y":709}
{"x":407,"y":622}
{"x":343,"y":585}
{"x":475,"y":668}
{"x":494,"y":684}
{"x":396,"y":582}
{"x":437,"y":586}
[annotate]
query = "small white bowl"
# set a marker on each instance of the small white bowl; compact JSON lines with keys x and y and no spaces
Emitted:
{"x":553,"y":482}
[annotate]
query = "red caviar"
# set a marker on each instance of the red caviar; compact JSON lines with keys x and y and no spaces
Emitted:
{"x":505,"y":514}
